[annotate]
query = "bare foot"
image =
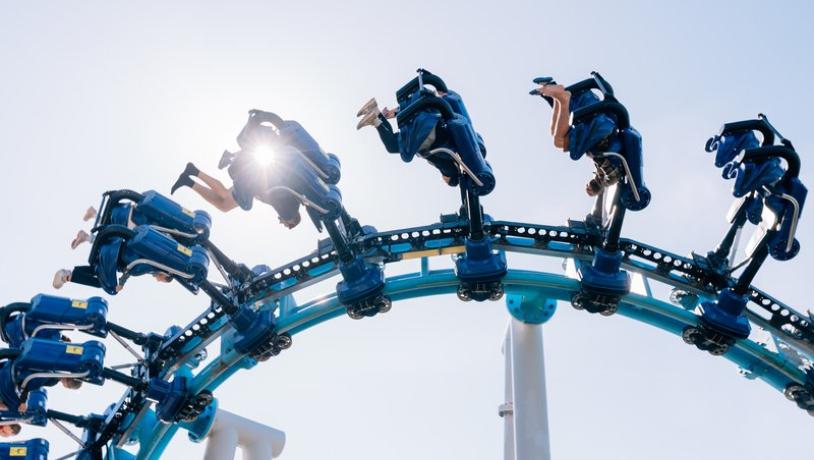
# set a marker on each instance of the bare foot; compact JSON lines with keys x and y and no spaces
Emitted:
{"x":558,"y":92}
{"x":81,"y":237}
{"x":89,"y":214}
{"x":61,"y":277}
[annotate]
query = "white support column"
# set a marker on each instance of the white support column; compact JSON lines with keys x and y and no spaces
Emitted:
{"x":230,"y":431}
{"x":530,"y":410}
{"x":506,"y":409}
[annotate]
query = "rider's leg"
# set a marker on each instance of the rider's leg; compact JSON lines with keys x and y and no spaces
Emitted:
{"x":81,"y":237}
{"x":212,"y":190}
{"x":386,"y":134}
{"x":185,"y":178}
{"x":220,"y":197}
{"x":216,"y":185}
{"x":562,"y":102}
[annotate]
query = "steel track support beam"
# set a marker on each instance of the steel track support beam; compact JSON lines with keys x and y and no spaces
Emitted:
{"x":526,"y":409}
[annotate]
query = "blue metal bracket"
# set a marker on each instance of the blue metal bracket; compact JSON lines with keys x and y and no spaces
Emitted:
{"x":531,"y":306}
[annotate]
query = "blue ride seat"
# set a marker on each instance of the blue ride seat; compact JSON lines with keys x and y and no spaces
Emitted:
{"x":32,"y":449}
{"x":760,"y":177}
{"x":428,"y":122}
{"x":729,"y":145}
{"x":284,"y":184}
{"x":260,"y":130}
{"x":736,"y":137}
{"x":752,"y":177}
{"x":781,"y":191}
{"x":145,"y":250}
{"x":36,"y":401}
{"x":47,"y":315}
{"x":43,"y":362}
{"x":601,"y":128}
{"x":786,"y":203}
{"x":155,"y":209}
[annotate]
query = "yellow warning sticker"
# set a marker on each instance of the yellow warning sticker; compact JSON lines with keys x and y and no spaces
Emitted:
{"x":83,"y":304}
{"x":188,"y":212}
{"x":73,"y":349}
{"x":184,"y":250}
{"x":18,"y":451}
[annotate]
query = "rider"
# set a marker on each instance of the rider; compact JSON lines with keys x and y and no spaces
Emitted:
{"x":607,"y":171}
{"x":250,"y":180}
{"x":424,"y":137}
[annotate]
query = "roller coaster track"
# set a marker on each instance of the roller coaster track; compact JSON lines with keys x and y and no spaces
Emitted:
{"x":779,"y":368}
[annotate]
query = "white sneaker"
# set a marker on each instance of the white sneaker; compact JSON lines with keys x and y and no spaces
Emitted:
{"x":61,"y":277}
{"x":368,"y":107}
{"x":89,"y":214}
{"x":371,"y":119}
{"x":81,"y":237}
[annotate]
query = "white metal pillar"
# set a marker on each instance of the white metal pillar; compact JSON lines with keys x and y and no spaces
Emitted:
{"x":506,"y":409}
{"x":525,"y":367}
{"x":230,"y":431}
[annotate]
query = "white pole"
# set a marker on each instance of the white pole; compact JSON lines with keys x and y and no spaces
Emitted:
{"x":230,"y":431}
{"x":221,"y":443}
{"x":531,"y":436}
{"x":506,"y":409}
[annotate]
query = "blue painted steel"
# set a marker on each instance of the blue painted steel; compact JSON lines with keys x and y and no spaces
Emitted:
{"x":35,"y":412}
{"x":52,"y":310}
{"x":777,"y":370}
{"x":157,"y":247}
{"x":728,"y":146}
{"x":361,"y":280}
{"x":727,"y":314}
{"x":33,"y":449}
{"x":478,"y":266}
{"x":48,"y":356}
{"x":259,"y":131}
{"x":604,"y":276}
{"x":531,"y":307}
{"x":170,"y":397}
{"x":252,"y":328}
{"x":156,"y":209}
{"x":785,"y":210}
{"x":429,"y":121}
{"x":274,"y":184}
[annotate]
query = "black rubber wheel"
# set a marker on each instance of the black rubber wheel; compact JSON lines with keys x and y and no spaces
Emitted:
{"x":610,"y":310}
{"x":385,"y":304}
{"x":497,"y":293}
{"x":578,"y":301}
{"x":283,"y":341}
{"x":463,"y":294}
{"x":690,"y":335}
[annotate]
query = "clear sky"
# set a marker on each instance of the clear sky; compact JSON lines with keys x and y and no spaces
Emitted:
{"x":100,"y":95}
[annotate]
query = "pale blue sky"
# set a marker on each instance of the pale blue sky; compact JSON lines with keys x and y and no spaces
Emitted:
{"x":100,"y":95}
